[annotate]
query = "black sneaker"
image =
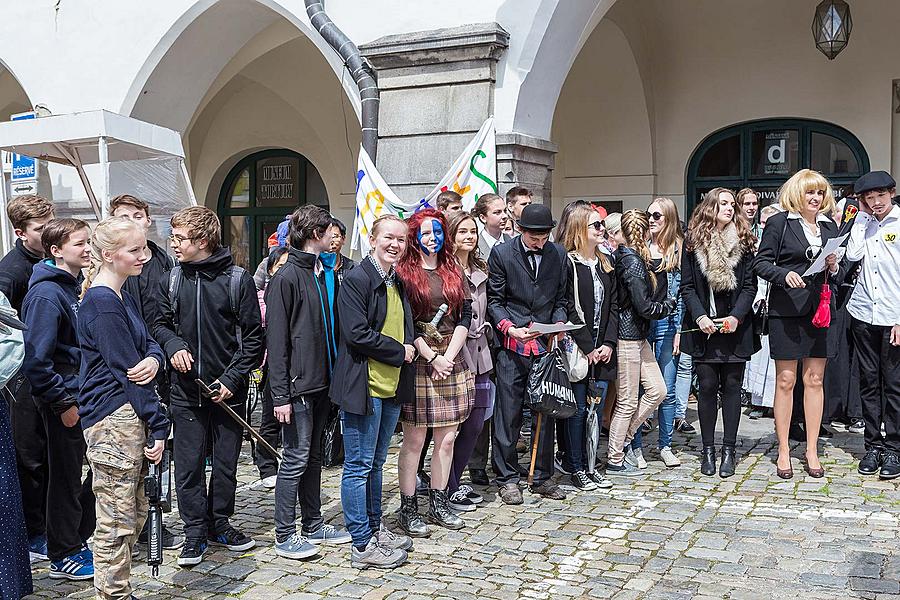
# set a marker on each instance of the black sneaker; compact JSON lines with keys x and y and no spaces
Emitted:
{"x":871,"y":462}
{"x":647,"y":426}
{"x":684,"y":427}
{"x":559,"y":464}
{"x":170,"y":541}
{"x":857,"y":426}
{"x":479,"y":477}
{"x":459,"y":501}
{"x":582,"y":482}
{"x":890,"y":468}
{"x":192,"y":553}
{"x":232,"y":539}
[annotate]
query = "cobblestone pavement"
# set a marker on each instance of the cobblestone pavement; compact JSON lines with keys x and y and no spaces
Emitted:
{"x":671,"y":534}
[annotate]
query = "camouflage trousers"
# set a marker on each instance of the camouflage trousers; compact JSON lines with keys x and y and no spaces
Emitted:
{"x":115,"y":451}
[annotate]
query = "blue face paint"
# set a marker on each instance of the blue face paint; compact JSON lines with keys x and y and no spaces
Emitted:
{"x":438,"y":233}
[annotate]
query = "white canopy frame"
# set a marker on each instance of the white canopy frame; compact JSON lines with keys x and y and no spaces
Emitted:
{"x":87,"y":138}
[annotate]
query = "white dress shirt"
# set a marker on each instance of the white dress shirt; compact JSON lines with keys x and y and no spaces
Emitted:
{"x":876,"y":297}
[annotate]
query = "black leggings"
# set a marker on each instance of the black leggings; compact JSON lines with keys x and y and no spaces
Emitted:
{"x":713,"y":378}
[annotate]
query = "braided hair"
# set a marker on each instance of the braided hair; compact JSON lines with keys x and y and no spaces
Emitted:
{"x":635,"y":227}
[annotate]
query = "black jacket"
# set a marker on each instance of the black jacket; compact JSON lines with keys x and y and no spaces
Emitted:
{"x":636,"y":305}
{"x":609,"y":314}
{"x":299,"y":333}
{"x":695,"y":292}
{"x":206,"y":326}
{"x":15,"y":271}
{"x":784,"y":301}
{"x":145,"y":287}
{"x":362,"y":309}
{"x":514,"y":294}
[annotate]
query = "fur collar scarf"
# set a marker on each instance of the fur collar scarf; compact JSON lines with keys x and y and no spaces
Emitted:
{"x":719,"y":259}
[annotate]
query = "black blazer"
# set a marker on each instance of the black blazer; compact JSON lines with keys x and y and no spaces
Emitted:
{"x":362,"y":306}
{"x":695,"y":293}
{"x":515,"y":295}
{"x":609,"y":314}
{"x":784,"y":301}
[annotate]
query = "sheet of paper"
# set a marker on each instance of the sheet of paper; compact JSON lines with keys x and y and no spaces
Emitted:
{"x":545,"y":328}
{"x":830,"y":247}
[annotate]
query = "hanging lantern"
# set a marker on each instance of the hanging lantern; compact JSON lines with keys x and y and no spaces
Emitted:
{"x":831,"y":27}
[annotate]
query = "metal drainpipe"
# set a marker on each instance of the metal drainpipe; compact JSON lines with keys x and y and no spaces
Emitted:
{"x":362,"y":72}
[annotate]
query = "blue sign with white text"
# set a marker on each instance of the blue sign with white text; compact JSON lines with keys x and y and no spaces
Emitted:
{"x":23,"y":167}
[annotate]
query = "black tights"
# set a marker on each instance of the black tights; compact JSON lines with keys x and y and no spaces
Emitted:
{"x":713,"y":378}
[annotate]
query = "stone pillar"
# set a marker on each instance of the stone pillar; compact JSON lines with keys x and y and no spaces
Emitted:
{"x":437,"y":88}
{"x":526,"y":161}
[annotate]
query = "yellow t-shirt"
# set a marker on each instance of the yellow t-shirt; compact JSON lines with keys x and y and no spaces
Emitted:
{"x":384,"y":378}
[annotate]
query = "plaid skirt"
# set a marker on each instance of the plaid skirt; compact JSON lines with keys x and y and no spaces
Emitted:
{"x":440,"y":403}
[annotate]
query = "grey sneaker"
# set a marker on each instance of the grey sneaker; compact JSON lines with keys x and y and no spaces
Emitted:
{"x":329,"y":534}
{"x":388,"y":539}
{"x":296,"y":547}
{"x":376,"y":556}
{"x":630,"y":457}
{"x":626,"y":469}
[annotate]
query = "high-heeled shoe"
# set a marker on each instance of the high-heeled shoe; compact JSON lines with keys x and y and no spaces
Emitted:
{"x":786,"y":473}
{"x":814,"y":473}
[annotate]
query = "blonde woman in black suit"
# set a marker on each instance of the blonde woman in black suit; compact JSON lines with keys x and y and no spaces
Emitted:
{"x":791,"y":241}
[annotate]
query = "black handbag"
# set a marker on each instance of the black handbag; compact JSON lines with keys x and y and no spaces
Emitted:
{"x":549,"y":390}
{"x":761,"y":314}
{"x":332,"y":439}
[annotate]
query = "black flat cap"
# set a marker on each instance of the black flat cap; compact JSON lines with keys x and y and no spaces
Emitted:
{"x":536,"y":217}
{"x":874,"y":180}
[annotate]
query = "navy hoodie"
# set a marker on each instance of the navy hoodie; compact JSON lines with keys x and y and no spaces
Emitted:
{"x":113,"y":339}
{"x":52,"y":356}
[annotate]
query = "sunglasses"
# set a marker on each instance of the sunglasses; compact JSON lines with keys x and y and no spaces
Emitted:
{"x":656,"y":216}
{"x":598,"y":225}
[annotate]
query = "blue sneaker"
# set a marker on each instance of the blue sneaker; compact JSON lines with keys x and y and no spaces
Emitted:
{"x":329,"y":534}
{"x":76,"y":567}
{"x":296,"y":547}
{"x":232,"y":539}
{"x":37,"y":548}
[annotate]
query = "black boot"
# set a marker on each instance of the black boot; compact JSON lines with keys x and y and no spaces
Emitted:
{"x":726,"y":469}
{"x":410,"y":521}
{"x":708,"y":464}
{"x":439,"y":511}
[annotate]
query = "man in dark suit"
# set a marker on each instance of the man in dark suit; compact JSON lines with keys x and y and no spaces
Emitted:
{"x":527,"y":284}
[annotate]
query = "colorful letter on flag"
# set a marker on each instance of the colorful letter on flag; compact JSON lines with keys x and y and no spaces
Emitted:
{"x":475,"y":171}
{"x":373,"y":199}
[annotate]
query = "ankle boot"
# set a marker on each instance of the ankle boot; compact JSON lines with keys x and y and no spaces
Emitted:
{"x":410,"y":521}
{"x":726,"y":469}
{"x":708,"y":464}
{"x":439,"y":511}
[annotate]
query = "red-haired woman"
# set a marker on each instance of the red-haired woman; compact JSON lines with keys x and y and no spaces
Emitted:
{"x":445,"y":388}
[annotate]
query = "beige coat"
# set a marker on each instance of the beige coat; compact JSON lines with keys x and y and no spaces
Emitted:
{"x":478,"y":344}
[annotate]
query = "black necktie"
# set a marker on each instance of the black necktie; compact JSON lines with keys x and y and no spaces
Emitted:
{"x":532,"y":261}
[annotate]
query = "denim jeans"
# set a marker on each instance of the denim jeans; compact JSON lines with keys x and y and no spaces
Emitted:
{"x":662,"y":337}
{"x":574,"y":426}
{"x":366,"y":441}
{"x":683,"y":384}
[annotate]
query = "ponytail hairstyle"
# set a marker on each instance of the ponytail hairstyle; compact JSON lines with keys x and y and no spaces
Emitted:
{"x":635,"y":226}
{"x":109,"y":235}
{"x":414,"y":278}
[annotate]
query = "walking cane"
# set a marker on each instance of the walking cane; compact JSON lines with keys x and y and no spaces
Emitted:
{"x":534,"y":447}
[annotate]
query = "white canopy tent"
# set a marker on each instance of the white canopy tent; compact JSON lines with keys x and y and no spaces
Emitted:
{"x":133,"y":157}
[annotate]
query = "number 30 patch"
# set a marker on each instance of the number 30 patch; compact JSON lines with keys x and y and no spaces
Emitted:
{"x":890,"y":237}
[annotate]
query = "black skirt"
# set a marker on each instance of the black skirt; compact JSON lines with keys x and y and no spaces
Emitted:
{"x":795,"y":338}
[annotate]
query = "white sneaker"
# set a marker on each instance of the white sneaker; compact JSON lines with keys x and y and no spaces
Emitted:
{"x":266,"y":483}
{"x":641,"y":462}
{"x":630,"y":457}
{"x":668,"y":457}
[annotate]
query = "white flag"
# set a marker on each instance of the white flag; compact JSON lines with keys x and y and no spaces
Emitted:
{"x":475,"y":171}
{"x":373,"y":199}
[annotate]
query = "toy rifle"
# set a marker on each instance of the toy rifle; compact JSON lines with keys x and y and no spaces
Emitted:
{"x":153,"y":490}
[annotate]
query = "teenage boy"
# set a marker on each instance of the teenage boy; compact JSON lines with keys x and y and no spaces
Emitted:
{"x":52,"y":362}
{"x":875,"y":309}
{"x":342,"y":264}
{"x":517,"y":198}
{"x":526,"y":284}
{"x":301,"y":354}
{"x":449,"y":203}
{"x":28,"y":215}
{"x":145,"y":289}
{"x":210,"y":329}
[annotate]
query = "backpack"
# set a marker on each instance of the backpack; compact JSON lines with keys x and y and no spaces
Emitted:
{"x":235,"y":273}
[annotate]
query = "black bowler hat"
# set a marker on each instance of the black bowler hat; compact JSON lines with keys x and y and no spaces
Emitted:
{"x":874,"y":180}
{"x":536,"y":217}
